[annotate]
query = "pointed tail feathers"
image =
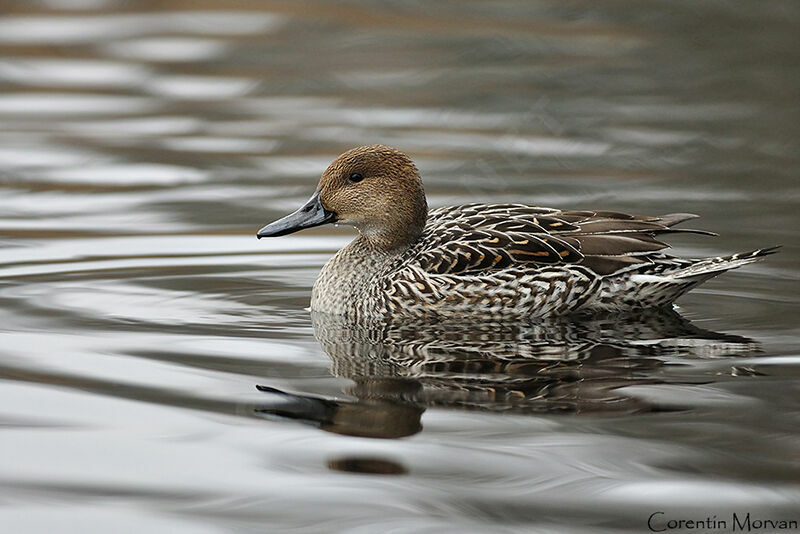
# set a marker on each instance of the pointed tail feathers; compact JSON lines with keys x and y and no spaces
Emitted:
{"x":671,"y":219}
{"x":713,"y":266}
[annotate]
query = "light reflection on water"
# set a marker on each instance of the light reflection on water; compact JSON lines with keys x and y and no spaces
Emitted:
{"x":160,"y":371}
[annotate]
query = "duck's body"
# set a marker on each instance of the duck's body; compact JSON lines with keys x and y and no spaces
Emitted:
{"x":514,"y":261}
{"x":508,"y":261}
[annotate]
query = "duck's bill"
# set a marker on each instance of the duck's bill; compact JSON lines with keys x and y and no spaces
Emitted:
{"x":311,"y":214}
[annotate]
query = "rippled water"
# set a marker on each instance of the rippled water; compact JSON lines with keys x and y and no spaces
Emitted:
{"x":159,"y":371}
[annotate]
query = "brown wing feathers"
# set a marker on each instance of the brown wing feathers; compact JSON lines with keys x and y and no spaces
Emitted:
{"x":475,"y":238}
{"x":612,"y":241}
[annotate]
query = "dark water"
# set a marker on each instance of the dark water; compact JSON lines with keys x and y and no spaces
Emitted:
{"x":143,"y":143}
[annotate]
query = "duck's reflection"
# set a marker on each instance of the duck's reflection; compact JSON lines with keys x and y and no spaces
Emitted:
{"x":565,"y":366}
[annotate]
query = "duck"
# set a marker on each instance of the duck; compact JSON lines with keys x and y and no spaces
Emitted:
{"x":491,"y":261}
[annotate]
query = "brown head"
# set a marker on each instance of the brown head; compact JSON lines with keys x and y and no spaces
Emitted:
{"x":375,"y":188}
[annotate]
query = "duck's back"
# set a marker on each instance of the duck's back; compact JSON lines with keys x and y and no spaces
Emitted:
{"x":513,"y":260}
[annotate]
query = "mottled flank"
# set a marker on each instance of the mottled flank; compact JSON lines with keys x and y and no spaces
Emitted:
{"x":487,"y":260}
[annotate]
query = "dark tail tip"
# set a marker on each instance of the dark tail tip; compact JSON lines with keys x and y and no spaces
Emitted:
{"x":766,"y":251}
{"x":758,"y":253}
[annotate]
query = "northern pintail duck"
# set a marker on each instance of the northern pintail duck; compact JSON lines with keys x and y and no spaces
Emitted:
{"x":485,"y":260}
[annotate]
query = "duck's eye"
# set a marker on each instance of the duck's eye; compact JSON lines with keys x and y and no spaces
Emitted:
{"x":355,"y":177}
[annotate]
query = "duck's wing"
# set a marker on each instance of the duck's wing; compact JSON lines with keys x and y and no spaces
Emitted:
{"x":477,"y":238}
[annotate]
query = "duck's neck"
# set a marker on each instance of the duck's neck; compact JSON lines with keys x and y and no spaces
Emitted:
{"x":397,"y":229}
{"x":386,"y":242}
